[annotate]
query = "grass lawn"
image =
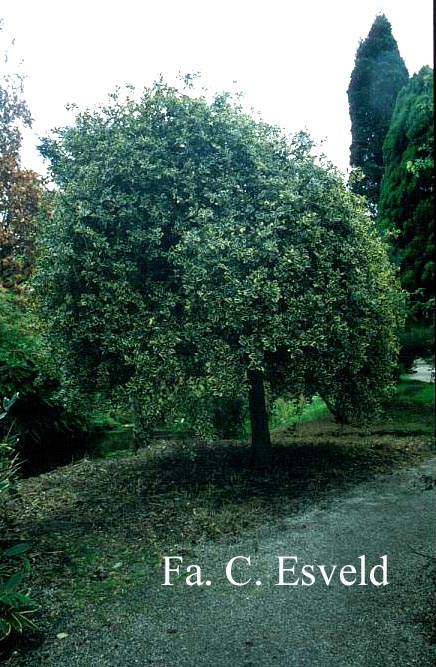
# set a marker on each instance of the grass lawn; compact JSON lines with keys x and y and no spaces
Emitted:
{"x":99,"y":526}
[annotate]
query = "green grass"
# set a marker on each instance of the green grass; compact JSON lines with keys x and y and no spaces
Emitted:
{"x":288,"y":413}
{"x":414,"y":392}
{"x":411,"y":405}
{"x":410,"y":408}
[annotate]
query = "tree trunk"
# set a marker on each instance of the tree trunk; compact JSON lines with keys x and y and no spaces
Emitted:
{"x":260,"y":438}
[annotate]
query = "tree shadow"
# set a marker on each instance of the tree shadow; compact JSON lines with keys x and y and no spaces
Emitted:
{"x":170,"y":483}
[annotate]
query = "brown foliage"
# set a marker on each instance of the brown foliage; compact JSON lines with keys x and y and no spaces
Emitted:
{"x":20,"y":198}
{"x":20,"y":189}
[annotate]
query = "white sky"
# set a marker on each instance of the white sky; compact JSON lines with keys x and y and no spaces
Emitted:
{"x":292,"y":59}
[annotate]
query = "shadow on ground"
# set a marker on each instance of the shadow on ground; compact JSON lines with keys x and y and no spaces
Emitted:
{"x":98,"y":526}
{"x":196,"y":491}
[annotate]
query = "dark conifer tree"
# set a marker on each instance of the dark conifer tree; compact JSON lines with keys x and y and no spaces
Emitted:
{"x":406,"y":205}
{"x":378,"y":76}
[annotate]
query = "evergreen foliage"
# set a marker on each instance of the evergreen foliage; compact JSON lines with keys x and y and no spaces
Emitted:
{"x":407,"y":193}
{"x":195,"y":253}
{"x":47,"y":434}
{"x":378,"y":76}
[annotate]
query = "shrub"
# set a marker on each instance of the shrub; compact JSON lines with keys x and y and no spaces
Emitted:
{"x":41,"y":422}
{"x":16,"y":607}
{"x":228,"y":417}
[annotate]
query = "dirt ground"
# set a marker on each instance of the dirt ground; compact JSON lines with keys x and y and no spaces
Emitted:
{"x":268,"y":625}
{"x":100,"y":529}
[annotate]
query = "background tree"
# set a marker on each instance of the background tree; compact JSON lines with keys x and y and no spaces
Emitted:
{"x":379,"y":74}
{"x":20,"y":189}
{"x":407,"y":202}
{"x":194,"y":252}
{"x":25,"y":366}
{"x":407,"y":194}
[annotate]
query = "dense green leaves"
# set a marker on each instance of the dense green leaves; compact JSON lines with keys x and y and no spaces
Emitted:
{"x":191,"y":244}
{"x":378,"y":76}
{"x":40,"y":421}
{"x":16,"y":607}
{"x":407,"y":194}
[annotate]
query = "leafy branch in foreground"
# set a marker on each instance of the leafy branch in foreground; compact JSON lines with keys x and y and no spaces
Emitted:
{"x":16,"y":606}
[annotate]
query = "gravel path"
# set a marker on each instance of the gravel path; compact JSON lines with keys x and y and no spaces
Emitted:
{"x":281,"y":626}
{"x":422,"y":371}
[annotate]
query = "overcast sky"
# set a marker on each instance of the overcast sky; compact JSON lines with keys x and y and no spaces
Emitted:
{"x":292,"y":59}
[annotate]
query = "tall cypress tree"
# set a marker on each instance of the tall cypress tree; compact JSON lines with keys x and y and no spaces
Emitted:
{"x":378,"y":76}
{"x":406,"y":204}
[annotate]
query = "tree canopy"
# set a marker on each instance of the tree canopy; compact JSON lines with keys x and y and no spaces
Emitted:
{"x":379,"y":74}
{"x":20,"y":189}
{"x":195,"y":252}
{"x":407,"y":193}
